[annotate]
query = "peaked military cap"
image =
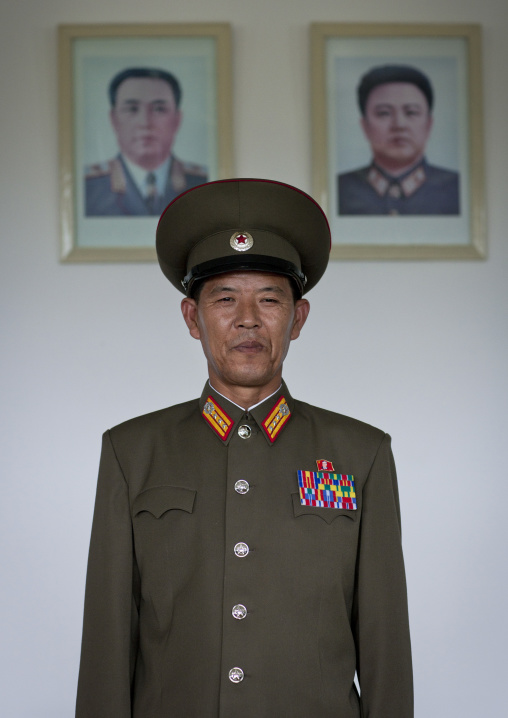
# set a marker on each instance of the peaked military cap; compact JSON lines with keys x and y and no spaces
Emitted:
{"x":243,"y":224}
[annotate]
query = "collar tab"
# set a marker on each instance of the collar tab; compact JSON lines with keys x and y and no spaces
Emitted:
{"x":276,"y":419}
{"x":397,"y":187}
{"x":217,"y":418}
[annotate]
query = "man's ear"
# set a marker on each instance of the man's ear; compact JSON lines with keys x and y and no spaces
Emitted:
{"x":189,"y":309}
{"x":112,"y":118}
{"x":430,"y":124}
{"x":302,"y":309}
{"x":364,"y":126}
{"x":178,"y":120}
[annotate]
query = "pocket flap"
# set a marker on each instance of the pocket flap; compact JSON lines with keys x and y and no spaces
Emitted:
{"x":159,"y":499}
{"x":327,"y":515}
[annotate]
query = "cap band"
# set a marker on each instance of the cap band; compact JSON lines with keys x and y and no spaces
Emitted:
{"x":240,"y":263}
{"x":262,"y":242}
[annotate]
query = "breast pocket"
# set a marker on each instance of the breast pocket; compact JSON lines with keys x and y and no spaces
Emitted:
{"x":327,"y":515}
{"x":165,"y":540}
{"x":158,"y":500}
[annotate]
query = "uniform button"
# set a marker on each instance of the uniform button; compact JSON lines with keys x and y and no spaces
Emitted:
{"x":241,"y":486}
{"x":236,"y":675}
{"x":244,"y":431}
{"x":239,"y":611}
{"x":241,"y":549}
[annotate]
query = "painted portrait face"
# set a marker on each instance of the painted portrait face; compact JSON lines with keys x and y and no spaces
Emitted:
{"x":145,"y":119}
{"x":245,"y":322}
{"x":397,"y":124}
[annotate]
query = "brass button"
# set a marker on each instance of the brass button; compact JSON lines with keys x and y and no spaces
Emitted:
{"x":241,"y":549}
{"x":244,"y":431}
{"x":239,"y":611}
{"x":241,"y":486}
{"x":236,"y":675}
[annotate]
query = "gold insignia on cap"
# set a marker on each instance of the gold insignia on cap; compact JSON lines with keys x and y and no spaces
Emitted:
{"x":241,"y":241}
{"x":276,"y":419}
{"x":217,"y":418}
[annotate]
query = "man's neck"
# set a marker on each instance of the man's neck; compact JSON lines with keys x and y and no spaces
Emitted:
{"x":245,"y":396}
{"x":139,"y":173}
{"x":396,"y":170}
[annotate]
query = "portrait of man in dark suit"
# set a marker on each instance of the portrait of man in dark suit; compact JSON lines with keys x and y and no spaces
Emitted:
{"x":396,"y":103}
{"x":145,"y":115}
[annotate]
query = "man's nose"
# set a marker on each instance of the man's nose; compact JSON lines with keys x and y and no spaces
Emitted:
{"x":144,"y":115}
{"x":399,"y":118}
{"x":248,"y":314}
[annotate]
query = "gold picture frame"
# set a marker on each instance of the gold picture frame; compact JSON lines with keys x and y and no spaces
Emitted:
{"x":450,"y":56}
{"x":112,"y":228}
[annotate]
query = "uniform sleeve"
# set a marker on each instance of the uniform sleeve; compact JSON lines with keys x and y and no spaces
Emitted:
{"x":380,"y":616}
{"x":110,"y":621}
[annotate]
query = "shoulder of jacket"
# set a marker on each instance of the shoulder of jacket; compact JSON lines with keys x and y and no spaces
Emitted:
{"x":441,"y":173}
{"x":194,"y":170}
{"x":103,"y":169}
{"x":190,"y":168}
{"x":333,"y":421}
{"x":98,"y":169}
{"x":152,"y":420}
{"x":354,"y":176}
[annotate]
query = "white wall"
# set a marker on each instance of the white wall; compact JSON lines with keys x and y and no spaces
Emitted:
{"x":419,"y":349}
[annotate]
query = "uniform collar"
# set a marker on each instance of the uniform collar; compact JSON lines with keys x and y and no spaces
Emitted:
{"x":223,"y":416}
{"x":402,"y":186}
{"x":139,"y":175}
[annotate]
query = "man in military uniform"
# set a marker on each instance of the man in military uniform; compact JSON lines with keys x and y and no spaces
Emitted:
{"x":145,"y":115}
{"x":245,"y":557}
{"x":396,"y":103}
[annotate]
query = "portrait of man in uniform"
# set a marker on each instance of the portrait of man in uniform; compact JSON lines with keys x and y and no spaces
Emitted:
{"x":396,"y":105}
{"x":246,"y":553}
{"x":145,"y":115}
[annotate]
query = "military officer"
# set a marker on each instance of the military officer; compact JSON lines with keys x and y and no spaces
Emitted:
{"x":145,"y":115}
{"x":396,"y":103}
{"x":245,"y":557}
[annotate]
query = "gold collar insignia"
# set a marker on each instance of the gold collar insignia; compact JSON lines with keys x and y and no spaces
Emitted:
{"x":217,"y":418}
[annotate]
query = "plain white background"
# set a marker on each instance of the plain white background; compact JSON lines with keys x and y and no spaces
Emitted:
{"x":419,"y":349}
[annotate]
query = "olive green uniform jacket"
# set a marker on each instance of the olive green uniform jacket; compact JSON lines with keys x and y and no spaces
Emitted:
{"x":323,"y":588}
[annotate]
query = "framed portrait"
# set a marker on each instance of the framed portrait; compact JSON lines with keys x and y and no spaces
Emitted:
{"x":145,"y":114}
{"x":397,"y":139}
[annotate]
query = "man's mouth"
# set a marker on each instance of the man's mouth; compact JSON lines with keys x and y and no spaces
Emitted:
{"x":249,"y":347}
{"x":400,"y":140}
{"x":145,"y":139}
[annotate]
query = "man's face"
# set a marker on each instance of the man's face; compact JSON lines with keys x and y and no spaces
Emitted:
{"x":397,"y":124}
{"x":145,"y":119}
{"x":245,"y":322}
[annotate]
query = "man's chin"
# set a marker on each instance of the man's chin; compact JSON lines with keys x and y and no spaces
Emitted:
{"x":249,"y":378}
{"x":402,"y":153}
{"x":148,"y":160}
{"x":398,"y":161}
